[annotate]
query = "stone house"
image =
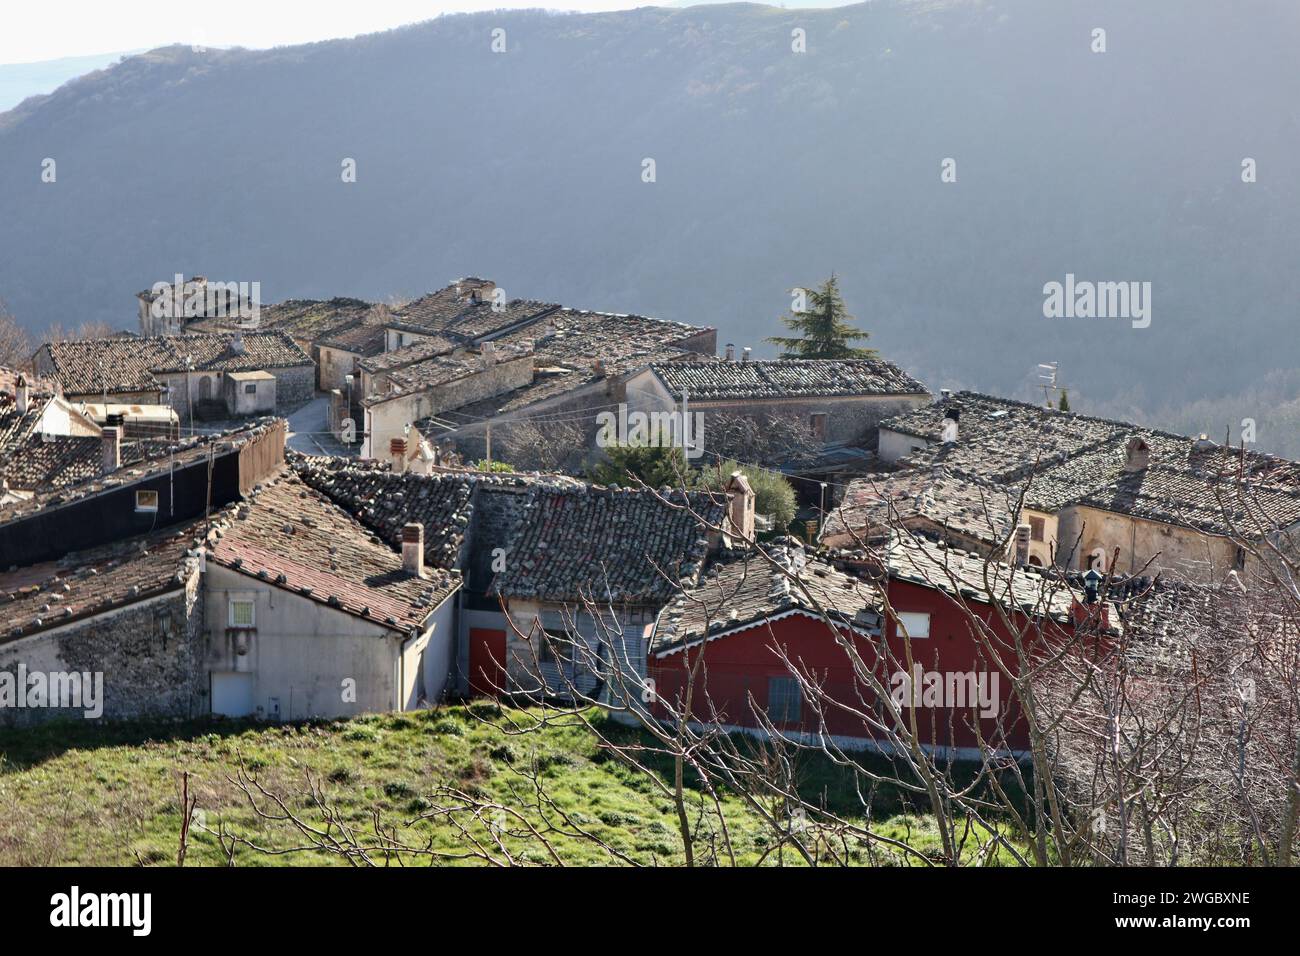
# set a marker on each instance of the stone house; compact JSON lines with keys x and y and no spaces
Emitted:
{"x":308,"y":615}
{"x":183,"y":371}
{"x":842,"y":401}
{"x":1101,"y":493}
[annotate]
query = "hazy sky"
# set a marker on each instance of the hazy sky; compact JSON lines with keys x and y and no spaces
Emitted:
{"x":51,"y":29}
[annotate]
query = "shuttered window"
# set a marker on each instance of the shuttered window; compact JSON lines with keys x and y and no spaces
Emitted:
{"x":784,"y":700}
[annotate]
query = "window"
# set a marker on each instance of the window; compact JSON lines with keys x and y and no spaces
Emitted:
{"x":1239,"y":562}
{"x":915,"y":623}
{"x":241,"y":612}
{"x":818,"y":422}
{"x":250,"y":389}
{"x":1036,"y":526}
{"x":555,"y":646}
{"x":146,"y":501}
{"x":784,"y":700}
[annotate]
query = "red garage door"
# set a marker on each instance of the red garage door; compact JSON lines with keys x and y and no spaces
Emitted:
{"x":487,"y":658}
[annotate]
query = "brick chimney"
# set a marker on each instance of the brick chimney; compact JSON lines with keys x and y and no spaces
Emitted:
{"x":1137,"y":455}
{"x":112,"y":450}
{"x":397,"y":451}
{"x":23,"y":395}
{"x":740,"y":508}
{"x":413,"y":549}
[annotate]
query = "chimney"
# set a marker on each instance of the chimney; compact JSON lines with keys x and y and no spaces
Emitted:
{"x":731,"y":352}
{"x":397,"y":451}
{"x":1022,"y":545}
{"x":413,"y":549}
{"x":740,"y":508}
{"x":945,"y":392}
{"x":951,"y":417}
{"x":489,"y":352}
{"x":744,"y":353}
{"x":24,"y":395}
{"x":111,"y":459}
{"x":1137,"y":455}
{"x":237,"y":344}
{"x":599,"y":368}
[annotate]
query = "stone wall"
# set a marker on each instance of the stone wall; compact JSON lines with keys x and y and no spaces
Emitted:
{"x":150,"y":656}
{"x":293,"y":386}
{"x":852,"y":419}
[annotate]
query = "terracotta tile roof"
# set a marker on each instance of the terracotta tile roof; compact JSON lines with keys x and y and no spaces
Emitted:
{"x":615,"y":545}
{"x":564,"y":538}
{"x":1061,"y":458}
{"x":118,"y":365}
{"x":305,"y":320}
{"x":410,"y":354}
{"x":362,"y":338}
{"x":787,"y":378}
{"x":961,"y":573}
{"x":916,"y":499}
{"x":578,"y":337}
{"x":85,"y":583}
{"x":439,"y":370}
{"x":385,"y":501}
{"x":445,"y":311}
{"x":16,"y":427}
{"x":141,"y":460}
{"x":295,"y":538}
{"x":1195,"y":500}
{"x":744,"y":591}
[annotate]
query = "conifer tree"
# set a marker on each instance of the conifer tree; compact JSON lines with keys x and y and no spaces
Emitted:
{"x":825,"y":330}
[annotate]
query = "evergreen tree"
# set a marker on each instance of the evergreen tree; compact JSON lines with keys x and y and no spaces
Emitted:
{"x":1064,"y":404}
{"x":825,"y":330}
{"x":656,"y":464}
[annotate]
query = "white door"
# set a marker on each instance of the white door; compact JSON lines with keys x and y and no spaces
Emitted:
{"x":232,"y":694}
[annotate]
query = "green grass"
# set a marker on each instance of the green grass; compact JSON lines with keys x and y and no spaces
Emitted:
{"x":110,"y":794}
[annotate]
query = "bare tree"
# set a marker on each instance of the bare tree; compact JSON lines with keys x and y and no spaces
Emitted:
{"x":15,"y":344}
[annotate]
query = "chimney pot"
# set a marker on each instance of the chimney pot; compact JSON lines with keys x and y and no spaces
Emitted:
{"x":950,"y":426}
{"x":112,"y":450}
{"x":1022,"y":545}
{"x":413,"y":549}
{"x":24,"y":395}
{"x":397,"y":451}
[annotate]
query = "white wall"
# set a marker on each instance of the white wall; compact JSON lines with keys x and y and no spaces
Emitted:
{"x":303,"y":651}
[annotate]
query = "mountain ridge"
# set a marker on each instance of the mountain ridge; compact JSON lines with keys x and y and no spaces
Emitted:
{"x":773,"y":169}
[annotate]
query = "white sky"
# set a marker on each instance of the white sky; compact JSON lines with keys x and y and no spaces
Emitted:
{"x":34,"y":30}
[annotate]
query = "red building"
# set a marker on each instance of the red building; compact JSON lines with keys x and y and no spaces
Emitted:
{"x":751,"y":646}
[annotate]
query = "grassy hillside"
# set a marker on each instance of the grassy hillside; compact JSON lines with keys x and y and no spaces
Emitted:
{"x":109,"y":795}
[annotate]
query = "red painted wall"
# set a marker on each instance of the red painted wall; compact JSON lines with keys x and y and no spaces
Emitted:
{"x":738,"y":667}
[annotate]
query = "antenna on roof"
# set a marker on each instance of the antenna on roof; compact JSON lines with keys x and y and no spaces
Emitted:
{"x":1051,"y":388}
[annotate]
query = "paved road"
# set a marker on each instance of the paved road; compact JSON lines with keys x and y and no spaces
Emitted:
{"x":309,"y":430}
